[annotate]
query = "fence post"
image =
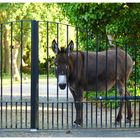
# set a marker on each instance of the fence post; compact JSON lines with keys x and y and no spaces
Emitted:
{"x":34,"y":75}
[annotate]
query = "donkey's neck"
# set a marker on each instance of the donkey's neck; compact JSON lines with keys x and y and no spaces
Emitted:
{"x":76,"y":64}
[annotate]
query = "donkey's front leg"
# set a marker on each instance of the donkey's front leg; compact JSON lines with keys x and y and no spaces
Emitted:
{"x":78,"y":97}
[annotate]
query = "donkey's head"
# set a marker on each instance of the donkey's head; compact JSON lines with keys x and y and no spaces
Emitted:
{"x":61,"y":62}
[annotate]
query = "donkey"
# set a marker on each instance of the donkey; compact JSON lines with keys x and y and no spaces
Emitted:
{"x":92,"y":72}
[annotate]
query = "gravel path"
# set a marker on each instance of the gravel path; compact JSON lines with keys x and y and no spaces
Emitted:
{"x":43,"y":89}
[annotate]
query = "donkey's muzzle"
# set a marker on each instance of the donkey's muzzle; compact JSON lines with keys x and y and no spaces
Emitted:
{"x":62,"y":86}
{"x":62,"y":81}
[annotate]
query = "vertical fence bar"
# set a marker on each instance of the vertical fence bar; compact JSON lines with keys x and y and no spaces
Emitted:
{"x":91,"y":114}
{"x":116,"y":83}
{"x":1,"y":77}
{"x":16,"y":114}
{"x":57,"y":79}
{"x":57,"y":28}
{"x":96,"y":114}
{"x":86,"y":114}
{"x":34,"y":75}
{"x":52,"y":115}
{"x":135,"y":82}
{"x":6,"y":115}
{"x":134,"y":113}
{"x":67,"y":37}
{"x":42,"y":115}
{"x":130,"y":109}
{"x":124,"y":114}
{"x":77,"y":53}
{"x":47,"y":65}
{"x":101,"y":113}
{"x":26,"y":104}
{"x":63,"y":114}
{"x":86,"y":77}
{"x":57,"y":115}
{"x":77,"y":64}
{"x":72,"y":114}
{"x":21,"y":53}
{"x":97,"y":45}
{"x":135,"y":71}
{"x":106,"y":84}
{"x":11,"y":67}
{"x":111,"y":114}
{"x":126,"y":47}
{"x":47,"y":31}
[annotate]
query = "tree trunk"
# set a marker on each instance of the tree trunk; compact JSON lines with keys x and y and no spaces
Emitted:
{"x":16,"y":61}
{"x":7,"y":57}
{"x":6,"y":51}
{"x":15,"y":70}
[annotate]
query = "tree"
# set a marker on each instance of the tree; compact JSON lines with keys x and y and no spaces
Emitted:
{"x":24,"y":11}
{"x":118,"y":19}
{"x":7,"y":13}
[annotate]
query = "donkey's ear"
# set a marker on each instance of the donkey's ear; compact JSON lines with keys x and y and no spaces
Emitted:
{"x":70,"y":46}
{"x":55,"y":47}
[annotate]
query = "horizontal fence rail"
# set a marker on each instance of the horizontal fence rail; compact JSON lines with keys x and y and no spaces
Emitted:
{"x":49,"y":78}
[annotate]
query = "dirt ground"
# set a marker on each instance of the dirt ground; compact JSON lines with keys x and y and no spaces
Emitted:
{"x":71,"y":133}
{"x":95,"y":120}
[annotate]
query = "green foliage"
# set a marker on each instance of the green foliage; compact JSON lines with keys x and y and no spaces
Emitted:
{"x":122,"y":20}
{"x":33,"y":11}
{"x":100,"y":18}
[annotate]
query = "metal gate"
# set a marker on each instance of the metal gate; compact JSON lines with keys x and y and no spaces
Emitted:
{"x":35,"y":101}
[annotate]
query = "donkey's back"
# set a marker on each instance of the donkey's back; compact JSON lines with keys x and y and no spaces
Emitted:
{"x":103,"y":69}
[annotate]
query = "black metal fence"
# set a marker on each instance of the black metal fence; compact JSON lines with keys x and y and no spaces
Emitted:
{"x":35,"y":101}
